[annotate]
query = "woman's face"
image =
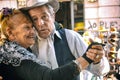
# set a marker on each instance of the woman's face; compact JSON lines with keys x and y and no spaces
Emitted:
{"x":23,"y":32}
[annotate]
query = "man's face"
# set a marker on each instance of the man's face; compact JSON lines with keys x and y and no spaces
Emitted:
{"x":43,"y":20}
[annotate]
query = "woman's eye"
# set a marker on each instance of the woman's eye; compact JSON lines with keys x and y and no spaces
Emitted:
{"x":27,"y":27}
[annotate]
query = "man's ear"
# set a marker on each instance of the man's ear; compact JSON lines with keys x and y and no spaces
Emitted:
{"x":53,"y":17}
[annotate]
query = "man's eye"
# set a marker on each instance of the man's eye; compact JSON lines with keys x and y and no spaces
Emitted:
{"x":45,"y":17}
{"x":34,"y":19}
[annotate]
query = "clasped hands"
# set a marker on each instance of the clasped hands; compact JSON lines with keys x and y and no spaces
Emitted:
{"x":94,"y":53}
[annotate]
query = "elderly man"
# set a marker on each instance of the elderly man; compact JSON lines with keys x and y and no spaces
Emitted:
{"x":58,"y":47}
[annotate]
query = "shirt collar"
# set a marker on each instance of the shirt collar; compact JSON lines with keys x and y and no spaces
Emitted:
{"x":58,"y":34}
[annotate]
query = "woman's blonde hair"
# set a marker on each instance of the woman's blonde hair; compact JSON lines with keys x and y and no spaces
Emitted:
{"x":6,"y":15}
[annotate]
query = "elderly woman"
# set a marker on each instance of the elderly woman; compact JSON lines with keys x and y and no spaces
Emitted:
{"x":17,"y":63}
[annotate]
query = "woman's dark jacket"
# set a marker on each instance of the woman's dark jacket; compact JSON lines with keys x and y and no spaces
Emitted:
{"x":16,"y":63}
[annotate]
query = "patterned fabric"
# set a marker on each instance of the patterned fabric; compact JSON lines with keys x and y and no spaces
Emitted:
{"x":13,"y":53}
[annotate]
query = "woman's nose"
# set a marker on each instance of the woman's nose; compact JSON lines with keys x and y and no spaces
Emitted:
{"x":32,"y":31}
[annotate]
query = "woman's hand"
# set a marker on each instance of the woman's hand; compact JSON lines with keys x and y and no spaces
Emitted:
{"x":95,"y":53}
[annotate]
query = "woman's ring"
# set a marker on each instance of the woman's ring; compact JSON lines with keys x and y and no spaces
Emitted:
{"x":97,"y":56}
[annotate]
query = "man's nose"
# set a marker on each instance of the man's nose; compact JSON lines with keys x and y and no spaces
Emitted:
{"x":41,"y":22}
